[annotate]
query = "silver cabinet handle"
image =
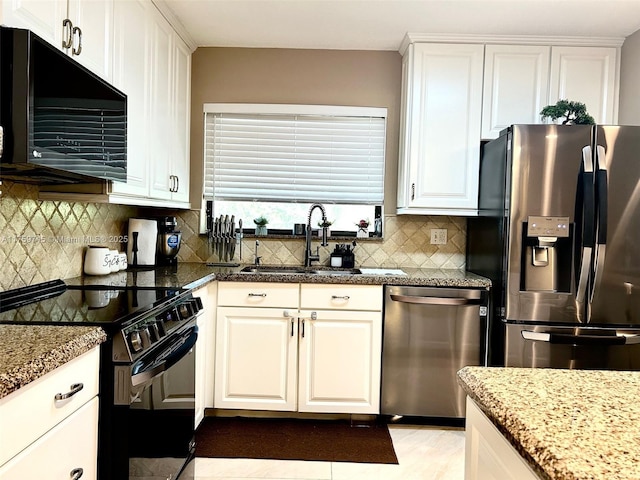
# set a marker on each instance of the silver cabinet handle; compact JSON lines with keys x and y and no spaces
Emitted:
{"x":74,"y":50}
{"x":75,"y":388}
{"x":302,"y":328}
{"x":338,"y":297}
{"x":177,"y":183}
{"x":68,"y":26}
{"x":257,"y":294}
{"x":76,"y":473}
{"x":452,"y":301}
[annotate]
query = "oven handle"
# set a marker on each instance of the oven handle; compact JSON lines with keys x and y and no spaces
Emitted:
{"x":566,"y":339}
{"x":188,"y":339}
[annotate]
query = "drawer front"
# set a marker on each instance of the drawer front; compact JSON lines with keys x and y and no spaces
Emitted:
{"x":258,"y":294}
{"x":29,"y":412}
{"x":341,"y":297}
{"x":70,"y":446}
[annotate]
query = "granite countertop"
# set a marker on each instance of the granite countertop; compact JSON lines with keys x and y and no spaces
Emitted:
{"x":568,"y":424}
{"x":27,"y":352}
{"x":194,"y":275}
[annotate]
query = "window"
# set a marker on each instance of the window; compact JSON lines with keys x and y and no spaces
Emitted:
{"x":276,"y":160}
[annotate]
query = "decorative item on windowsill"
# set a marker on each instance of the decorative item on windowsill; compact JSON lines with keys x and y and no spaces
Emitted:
{"x":575,"y":113}
{"x":326,"y":224}
{"x":363,"y":229}
{"x":261,"y":225}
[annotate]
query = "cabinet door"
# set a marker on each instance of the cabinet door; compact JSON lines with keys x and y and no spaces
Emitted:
{"x":587,"y":75}
{"x":43,"y":17}
{"x":71,"y":446}
{"x":94,"y":18}
{"x":160,"y":114}
{"x":180,"y":158}
{"x":488,"y":455}
{"x":339,"y":367}
{"x":443,"y":129}
{"x":256,"y":355}
{"x":132,"y":71}
{"x":516,"y":86}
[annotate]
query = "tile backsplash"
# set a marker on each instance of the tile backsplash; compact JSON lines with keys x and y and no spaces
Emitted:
{"x":406,"y":243}
{"x":44,"y":240}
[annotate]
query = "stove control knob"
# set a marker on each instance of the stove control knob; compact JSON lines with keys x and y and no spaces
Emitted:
{"x":160,"y":326}
{"x":184,"y":311}
{"x":145,"y":337}
{"x":135,"y":340}
{"x":154,"y":332}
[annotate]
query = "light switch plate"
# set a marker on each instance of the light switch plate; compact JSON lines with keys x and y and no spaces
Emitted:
{"x":438,"y":236}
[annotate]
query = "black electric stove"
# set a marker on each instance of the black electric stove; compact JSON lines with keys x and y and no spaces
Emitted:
{"x":151,"y":340}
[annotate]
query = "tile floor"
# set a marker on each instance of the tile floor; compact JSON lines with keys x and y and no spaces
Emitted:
{"x":424,"y":453}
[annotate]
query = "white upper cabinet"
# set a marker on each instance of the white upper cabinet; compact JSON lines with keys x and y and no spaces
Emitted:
{"x":588,"y":75}
{"x":132,"y":71}
{"x":516,"y":86}
{"x":43,"y":17}
{"x":153,"y":67}
{"x":81,"y":28}
{"x":440,"y":129}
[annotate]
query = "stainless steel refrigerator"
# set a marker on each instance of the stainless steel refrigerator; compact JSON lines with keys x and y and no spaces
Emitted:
{"x":558,"y":233}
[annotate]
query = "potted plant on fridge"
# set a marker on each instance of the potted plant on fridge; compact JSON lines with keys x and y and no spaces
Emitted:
{"x":575,"y":113}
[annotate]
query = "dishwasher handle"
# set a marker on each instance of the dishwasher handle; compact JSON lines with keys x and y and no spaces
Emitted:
{"x":449,"y":301}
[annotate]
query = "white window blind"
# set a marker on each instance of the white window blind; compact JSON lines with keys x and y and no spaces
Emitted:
{"x":288,"y":153}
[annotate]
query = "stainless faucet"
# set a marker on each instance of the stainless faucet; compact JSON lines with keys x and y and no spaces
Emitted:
{"x":308,"y":256}
{"x":256,"y":262}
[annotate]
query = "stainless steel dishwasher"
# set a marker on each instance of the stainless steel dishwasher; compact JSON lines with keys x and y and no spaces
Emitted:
{"x":429,"y":334}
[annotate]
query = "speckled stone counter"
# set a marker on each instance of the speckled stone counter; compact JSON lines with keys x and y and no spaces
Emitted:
{"x":568,"y":424}
{"x":194,"y":275}
{"x":28,"y":352}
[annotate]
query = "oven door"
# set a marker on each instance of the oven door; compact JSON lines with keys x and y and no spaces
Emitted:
{"x":545,"y":346}
{"x":161,"y":415}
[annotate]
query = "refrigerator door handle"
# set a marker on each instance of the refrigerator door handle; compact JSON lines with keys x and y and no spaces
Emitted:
{"x":602,"y":195}
{"x":567,"y":339}
{"x":587,"y":215}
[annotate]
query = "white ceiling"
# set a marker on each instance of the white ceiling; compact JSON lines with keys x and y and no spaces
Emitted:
{"x":382,"y":24}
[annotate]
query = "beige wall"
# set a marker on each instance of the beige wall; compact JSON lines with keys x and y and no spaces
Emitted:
{"x":629,"y":111}
{"x":324,"y":77}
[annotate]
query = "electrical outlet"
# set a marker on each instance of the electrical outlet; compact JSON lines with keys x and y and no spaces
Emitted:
{"x":438,"y":236}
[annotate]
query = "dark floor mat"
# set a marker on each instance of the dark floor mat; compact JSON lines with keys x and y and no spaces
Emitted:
{"x":294,"y":439}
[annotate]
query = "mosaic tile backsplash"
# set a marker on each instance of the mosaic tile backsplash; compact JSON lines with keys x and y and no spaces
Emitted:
{"x":45,"y":240}
{"x":406,"y":243}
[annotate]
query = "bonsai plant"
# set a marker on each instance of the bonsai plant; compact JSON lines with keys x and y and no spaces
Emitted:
{"x":261,"y":225}
{"x":575,"y":113}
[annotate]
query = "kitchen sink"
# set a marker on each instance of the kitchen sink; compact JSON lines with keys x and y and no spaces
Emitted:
{"x":284,"y":270}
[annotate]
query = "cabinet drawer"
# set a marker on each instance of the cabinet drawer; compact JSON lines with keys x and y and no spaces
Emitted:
{"x":29,"y":412}
{"x":71,"y":445}
{"x":350,"y":297}
{"x":258,"y":294}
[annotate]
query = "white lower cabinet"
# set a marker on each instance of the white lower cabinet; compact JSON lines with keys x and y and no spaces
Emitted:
{"x":339,"y":364}
{"x":488,"y":455}
{"x":68,"y":451}
{"x":256,"y":356}
{"x":285,"y":358}
{"x":49,"y":428}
